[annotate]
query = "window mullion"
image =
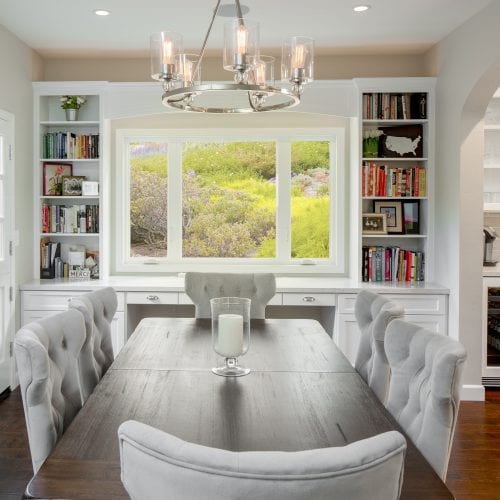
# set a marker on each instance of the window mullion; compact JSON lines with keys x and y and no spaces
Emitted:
{"x":283,"y":194}
{"x":174,"y":206}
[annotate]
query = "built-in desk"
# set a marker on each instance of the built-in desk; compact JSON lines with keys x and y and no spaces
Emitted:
{"x":329,"y":300}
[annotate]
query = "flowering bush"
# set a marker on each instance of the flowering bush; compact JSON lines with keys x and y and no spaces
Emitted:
{"x":72,"y":101}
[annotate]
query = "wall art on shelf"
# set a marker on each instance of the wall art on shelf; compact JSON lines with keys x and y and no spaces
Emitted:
{"x":402,"y":142}
{"x":393,"y":213}
{"x":374,"y":224}
{"x":411,"y":216}
{"x":72,"y":185}
{"x":52,"y":177}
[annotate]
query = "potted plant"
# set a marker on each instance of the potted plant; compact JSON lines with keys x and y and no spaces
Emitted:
{"x":370,"y":142}
{"x":71,"y":104}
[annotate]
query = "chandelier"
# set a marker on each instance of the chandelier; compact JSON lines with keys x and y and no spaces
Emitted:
{"x":254,"y":87}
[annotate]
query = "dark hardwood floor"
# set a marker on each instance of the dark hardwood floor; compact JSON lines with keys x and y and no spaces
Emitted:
{"x":474,"y":470}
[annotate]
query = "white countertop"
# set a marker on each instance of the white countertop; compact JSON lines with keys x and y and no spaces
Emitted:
{"x":286,"y":284}
{"x":491,"y":270}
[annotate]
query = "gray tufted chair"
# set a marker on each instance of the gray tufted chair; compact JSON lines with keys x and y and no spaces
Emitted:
{"x":424,"y":393}
{"x":98,"y":308}
{"x":153,"y":461}
{"x":373,"y":313}
{"x":201,"y":287}
{"x":46,"y":355}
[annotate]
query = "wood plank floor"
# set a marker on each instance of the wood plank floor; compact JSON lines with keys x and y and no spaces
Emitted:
{"x":474,"y":470}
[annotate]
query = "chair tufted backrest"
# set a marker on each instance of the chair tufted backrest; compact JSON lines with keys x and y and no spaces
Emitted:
{"x":46,"y":353}
{"x":201,"y":287}
{"x":98,"y":308}
{"x":153,"y":461}
{"x":373,"y":313}
{"x":424,"y":393}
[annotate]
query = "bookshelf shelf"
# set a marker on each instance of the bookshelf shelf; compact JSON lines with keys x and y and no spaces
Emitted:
{"x":405,"y":106}
{"x":72,"y":235}
{"x":54,"y":136}
{"x":381,"y":160}
{"x":73,"y":198}
{"x":74,"y":124}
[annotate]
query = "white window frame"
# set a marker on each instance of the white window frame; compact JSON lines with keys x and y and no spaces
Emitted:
{"x":282,"y":263}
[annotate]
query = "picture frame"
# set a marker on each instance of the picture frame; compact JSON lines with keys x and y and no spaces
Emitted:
{"x":374,"y":223}
{"x":90,"y":188}
{"x":72,"y":185}
{"x":393,"y":212}
{"x":411,"y":216}
{"x":402,"y":142}
{"x":53,"y":173}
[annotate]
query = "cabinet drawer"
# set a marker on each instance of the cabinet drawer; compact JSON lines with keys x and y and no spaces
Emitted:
{"x":309,"y":299}
{"x":48,"y":301}
{"x":413,"y":304}
{"x":152,"y":298}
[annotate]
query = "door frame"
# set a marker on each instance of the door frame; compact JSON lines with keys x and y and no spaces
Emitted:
{"x":10,"y":124}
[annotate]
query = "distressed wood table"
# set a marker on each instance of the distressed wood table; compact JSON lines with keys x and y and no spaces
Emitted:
{"x":302,"y":393}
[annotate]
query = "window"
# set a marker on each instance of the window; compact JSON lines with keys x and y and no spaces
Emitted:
{"x":271,"y":200}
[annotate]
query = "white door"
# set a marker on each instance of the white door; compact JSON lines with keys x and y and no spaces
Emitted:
{"x":6,"y":245}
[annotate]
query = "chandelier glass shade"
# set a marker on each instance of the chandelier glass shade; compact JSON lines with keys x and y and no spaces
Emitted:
{"x":253,"y":88}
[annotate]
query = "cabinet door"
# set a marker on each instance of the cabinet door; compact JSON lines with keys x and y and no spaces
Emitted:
{"x":346,"y":335}
{"x":118,"y":332}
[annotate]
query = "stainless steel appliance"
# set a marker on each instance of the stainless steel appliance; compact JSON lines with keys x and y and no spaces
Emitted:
{"x":490,"y":236}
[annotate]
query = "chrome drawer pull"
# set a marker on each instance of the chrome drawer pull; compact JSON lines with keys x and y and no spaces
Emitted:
{"x":309,"y":299}
{"x":153,"y":298}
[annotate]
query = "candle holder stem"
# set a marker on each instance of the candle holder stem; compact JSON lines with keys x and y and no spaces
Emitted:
{"x":231,"y":368}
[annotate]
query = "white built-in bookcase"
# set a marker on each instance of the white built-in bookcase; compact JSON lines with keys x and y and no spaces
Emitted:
{"x":49,"y":117}
{"x":424,"y":240}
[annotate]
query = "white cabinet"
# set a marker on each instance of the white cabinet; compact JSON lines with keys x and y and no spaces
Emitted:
{"x":38,"y":304}
{"x":491,"y":161}
{"x":425,"y":310}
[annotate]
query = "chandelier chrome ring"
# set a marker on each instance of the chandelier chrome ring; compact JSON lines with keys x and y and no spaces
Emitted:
{"x":184,"y":98}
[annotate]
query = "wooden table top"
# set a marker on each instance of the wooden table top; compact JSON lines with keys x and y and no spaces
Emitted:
{"x":301,"y":394}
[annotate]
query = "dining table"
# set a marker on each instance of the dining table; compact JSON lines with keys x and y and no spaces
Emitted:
{"x":301,"y":393}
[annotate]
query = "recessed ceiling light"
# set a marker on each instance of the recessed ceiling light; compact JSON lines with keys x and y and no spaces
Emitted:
{"x":102,"y":12}
{"x":361,"y":8}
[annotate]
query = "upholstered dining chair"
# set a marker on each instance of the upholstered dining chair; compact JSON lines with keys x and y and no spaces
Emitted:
{"x":373,"y":313}
{"x":47,"y":353}
{"x":424,"y":392}
{"x":155,"y":465}
{"x":259,"y":287}
{"x":98,"y":308}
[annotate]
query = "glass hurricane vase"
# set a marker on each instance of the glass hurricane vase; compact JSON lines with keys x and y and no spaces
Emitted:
{"x":230,"y":333}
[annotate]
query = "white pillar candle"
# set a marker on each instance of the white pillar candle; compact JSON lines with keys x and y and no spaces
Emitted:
{"x":230,"y":335}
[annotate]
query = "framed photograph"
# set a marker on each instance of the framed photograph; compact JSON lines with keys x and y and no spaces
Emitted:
{"x":402,"y":142}
{"x":411,"y":216}
{"x":72,"y":185}
{"x":90,"y":188}
{"x":374,"y":224}
{"x":393,"y":213}
{"x":53,"y":173}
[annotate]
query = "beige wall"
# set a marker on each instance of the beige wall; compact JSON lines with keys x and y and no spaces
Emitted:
{"x":326,"y":68}
{"x":467,"y":64}
{"x":20,"y":66}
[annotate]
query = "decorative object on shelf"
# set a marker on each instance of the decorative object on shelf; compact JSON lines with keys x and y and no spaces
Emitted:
{"x":254,"y":88}
{"x":371,"y":142}
{"x":71,"y":104}
{"x":52,"y":177}
{"x":90,"y":188}
{"x":411,"y":216}
{"x":402,"y":142}
{"x":393,"y":214}
{"x":230,"y":333}
{"x":374,"y":223}
{"x":72,"y":185}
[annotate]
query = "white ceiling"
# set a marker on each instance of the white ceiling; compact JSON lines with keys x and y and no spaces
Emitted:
{"x":57,"y":28}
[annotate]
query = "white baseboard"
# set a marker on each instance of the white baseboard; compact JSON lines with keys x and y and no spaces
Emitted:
{"x":472,"y":393}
